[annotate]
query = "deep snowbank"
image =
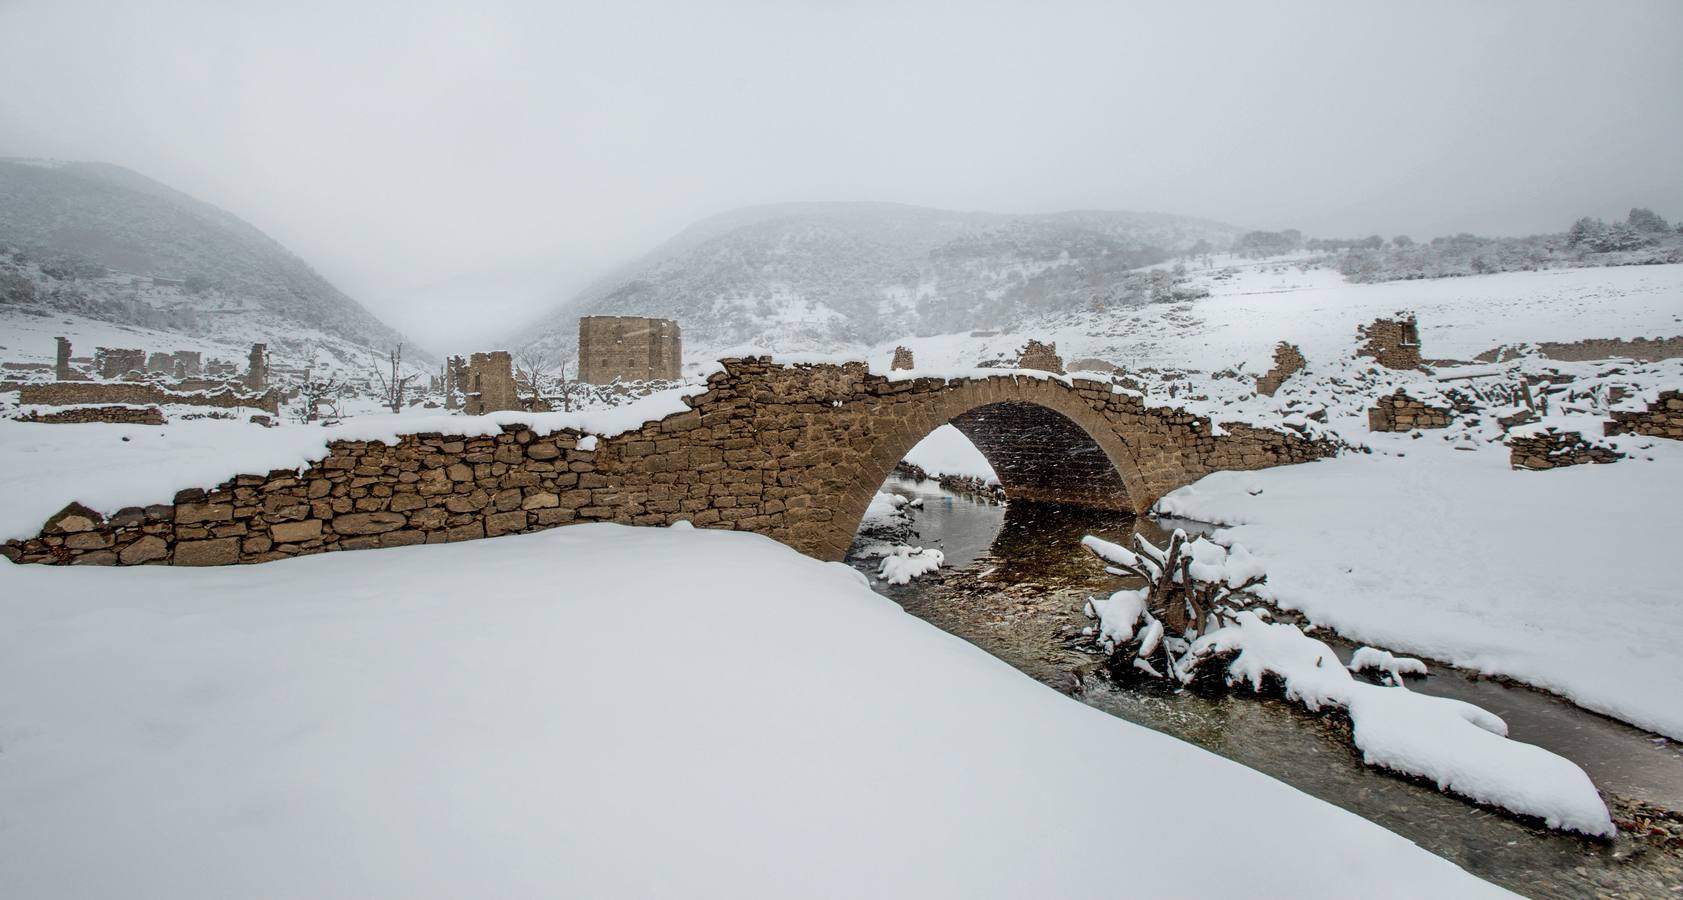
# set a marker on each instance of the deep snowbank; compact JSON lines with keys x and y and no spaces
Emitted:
{"x":1563,"y":579}
{"x":596,"y":711}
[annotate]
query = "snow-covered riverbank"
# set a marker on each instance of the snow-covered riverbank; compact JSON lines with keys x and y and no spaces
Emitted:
{"x":1562,"y":579}
{"x":478,"y":719}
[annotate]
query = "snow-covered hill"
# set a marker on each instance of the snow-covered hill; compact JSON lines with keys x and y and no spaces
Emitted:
{"x":816,"y":276}
{"x":102,"y":243}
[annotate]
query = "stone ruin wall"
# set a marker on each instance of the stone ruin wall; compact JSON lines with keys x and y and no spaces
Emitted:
{"x":902,"y":361}
{"x":1040,"y":357}
{"x":1400,"y":412}
{"x":111,"y":415}
{"x":765,"y":449}
{"x":1553,"y":449}
{"x":1641,"y":349}
{"x":1393,"y":343}
{"x":490,"y":384}
{"x":1288,"y":361}
{"x":1663,"y":418}
{"x":95,"y":393}
{"x":629,"y":348}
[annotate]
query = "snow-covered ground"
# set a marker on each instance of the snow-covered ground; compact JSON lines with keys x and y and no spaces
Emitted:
{"x":1564,"y":579}
{"x":946,"y":451}
{"x":460,"y":721}
{"x":1261,"y":303}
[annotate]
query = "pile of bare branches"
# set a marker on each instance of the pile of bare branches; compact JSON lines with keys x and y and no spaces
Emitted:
{"x":1182,"y":603}
{"x":1174,"y":604}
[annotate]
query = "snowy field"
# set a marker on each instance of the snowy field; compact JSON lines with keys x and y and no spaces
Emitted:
{"x":1263,"y":303}
{"x":490,"y":719}
{"x":1564,"y":579}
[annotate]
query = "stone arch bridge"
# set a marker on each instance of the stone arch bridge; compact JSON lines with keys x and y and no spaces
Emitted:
{"x":792,"y":452}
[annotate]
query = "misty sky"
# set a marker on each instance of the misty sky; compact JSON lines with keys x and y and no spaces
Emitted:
{"x":399,"y":145}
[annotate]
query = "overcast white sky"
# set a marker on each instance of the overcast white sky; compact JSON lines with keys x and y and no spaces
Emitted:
{"x":399,"y":145}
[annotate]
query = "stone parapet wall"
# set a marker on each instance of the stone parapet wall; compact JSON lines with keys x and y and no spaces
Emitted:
{"x":93,"y":393}
{"x":1663,"y":419}
{"x":794,"y":453}
{"x":1400,"y":412}
{"x":1553,"y":449}
{"x":118,"y":415}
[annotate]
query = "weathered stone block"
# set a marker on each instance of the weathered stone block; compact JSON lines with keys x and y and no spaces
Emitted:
{"x":146,"y":549}
{"x":505,"y":523}
{"x":191,"y":513}
{"x":298,"y":532}
{"x":368,"y":523}
{"x":218,"y":552}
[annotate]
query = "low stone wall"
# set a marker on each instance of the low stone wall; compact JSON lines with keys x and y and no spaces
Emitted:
{"x":118,"y":415}
{"x":91,"y":393}
{"x":1664,"y":418}
{"x":794,"y":453}
{"x":1643,"y":349}
{"x":1554,"y":449}
{"x":1288,"y":361}
{"x":1400,"y":412}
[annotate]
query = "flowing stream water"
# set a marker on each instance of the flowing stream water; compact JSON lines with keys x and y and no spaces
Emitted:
{"x":1016,"y":580}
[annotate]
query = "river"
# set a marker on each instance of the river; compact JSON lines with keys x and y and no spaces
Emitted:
{"x":1016,"y":580}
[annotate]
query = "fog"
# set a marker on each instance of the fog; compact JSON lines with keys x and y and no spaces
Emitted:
{"x":513,"y":150}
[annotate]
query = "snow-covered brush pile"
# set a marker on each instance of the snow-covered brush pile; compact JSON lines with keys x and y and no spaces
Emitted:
{"x":1188,"y":586}
{"x":888,"y":521}
{"x":1196,"y":586}
{"x":906,"y":563}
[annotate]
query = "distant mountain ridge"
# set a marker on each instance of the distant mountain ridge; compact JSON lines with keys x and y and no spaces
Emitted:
{"x":106,"y":242}
{"x":815,"y":276}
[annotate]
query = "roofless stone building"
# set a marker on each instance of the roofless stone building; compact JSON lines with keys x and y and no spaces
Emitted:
{"x":629,"y":348}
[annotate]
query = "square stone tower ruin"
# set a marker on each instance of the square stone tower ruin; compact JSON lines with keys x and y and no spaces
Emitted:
{"x":629,"y":348}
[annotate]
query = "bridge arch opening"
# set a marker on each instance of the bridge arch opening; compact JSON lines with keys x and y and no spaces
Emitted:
{"x":1046,"y":450}
{"x":1042,"y":456}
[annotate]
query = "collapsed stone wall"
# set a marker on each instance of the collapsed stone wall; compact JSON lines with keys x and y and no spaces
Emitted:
{"x":1393,"y":343}
{"x":490,"y":383}
{"x":794,"y":453}
{"x":1642,"y":349}
{"x":1288,"y":361}
{"x":1552,"y":449}
{"x":1040,"y":357}
{"x":95,"y":393}
{"x":119,"y":415}
{"x":1663,"y":418}
{"x":115,"y":362}
{"x":902,"y":360}
{"x":1400,"y":412}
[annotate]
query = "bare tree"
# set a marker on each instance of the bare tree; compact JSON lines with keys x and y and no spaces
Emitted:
{"x":315,"y":393}
{"x":569,"y":391}
{"x":392,"y":387}
{"x":531,"y":376}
